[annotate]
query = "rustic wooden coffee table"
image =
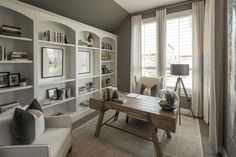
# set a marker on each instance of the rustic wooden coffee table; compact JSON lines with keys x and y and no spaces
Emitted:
{"x":147,"y":109}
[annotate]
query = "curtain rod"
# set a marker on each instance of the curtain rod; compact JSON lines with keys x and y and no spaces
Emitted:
{"x":165,"y":7}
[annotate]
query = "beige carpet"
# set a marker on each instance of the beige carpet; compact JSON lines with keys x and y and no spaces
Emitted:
{"x":186,"y":142}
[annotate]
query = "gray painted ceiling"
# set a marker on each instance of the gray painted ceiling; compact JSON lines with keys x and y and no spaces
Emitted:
{"x":103,"y":14}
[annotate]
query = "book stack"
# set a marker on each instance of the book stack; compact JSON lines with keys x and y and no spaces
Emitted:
{"x":3,"y":53}
{"x":11,"y":30}
{"x":8,"y":106}
{"x":46,"y":36}
{"x":17,"y":55}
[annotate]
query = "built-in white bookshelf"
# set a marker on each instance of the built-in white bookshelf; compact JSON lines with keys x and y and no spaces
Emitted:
{"x":17,"y":62}
{"x":33,"y":23}
{"x":15,"y":38}
{"x":55,"y":43}
{"x":23,"y":43}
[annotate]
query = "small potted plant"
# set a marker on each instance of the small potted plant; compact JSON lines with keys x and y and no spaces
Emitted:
{"x":169,"y":100}
{"x":23,"y":82}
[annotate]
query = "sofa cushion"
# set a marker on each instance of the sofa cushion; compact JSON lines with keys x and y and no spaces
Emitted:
{"x":36,"y":110}
{"x":5,"y":130}
{"x":55,"y":137}
{"x":23,"y":127}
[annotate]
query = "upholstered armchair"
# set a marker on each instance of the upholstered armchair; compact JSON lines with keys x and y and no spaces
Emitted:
{"x":148,"y":82}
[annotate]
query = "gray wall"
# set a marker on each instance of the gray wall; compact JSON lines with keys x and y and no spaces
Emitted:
{"x":124,"y":42}
{"x":219,"y":63}
{"x":103,"y":14}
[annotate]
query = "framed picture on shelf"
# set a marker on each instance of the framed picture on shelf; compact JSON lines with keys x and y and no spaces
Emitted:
{"x":52,"y":94}
{"x":14,"y":79}
{"x":52,"y":62}
{"x":4,"y":79}
{"x":84,"y":62}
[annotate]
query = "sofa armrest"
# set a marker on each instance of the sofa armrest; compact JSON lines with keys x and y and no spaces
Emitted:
{"x":58,"y":122}
{"x":25,"y":150}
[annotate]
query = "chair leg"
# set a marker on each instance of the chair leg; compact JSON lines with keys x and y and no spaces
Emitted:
{"x":127,"y":119}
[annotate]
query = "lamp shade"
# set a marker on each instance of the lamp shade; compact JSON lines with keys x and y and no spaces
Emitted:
{"x":179,"y":69}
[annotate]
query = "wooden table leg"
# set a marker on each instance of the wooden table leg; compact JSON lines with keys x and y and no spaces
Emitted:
{"x":99,"y":124}
{"x":116,"y":115}
{"x":154,"y":137}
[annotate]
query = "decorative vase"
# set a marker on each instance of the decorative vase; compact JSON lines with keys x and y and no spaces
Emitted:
{"x":23,"y":84}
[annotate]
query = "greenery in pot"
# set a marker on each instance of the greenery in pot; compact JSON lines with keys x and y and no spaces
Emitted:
{"x":168,"y":102}
{"x":23,"y":82}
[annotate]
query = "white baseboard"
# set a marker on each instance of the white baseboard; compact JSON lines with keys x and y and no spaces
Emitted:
{"x":224,"y":153}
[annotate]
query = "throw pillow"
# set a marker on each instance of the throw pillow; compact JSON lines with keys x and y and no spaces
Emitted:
{"x":154,"y":91}
{"x":36,"y":110}
{"x":146,"y":91}
{"x":23,"y":127}
{"x":29,"y":124}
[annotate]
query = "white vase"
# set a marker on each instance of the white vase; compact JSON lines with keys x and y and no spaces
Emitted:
{"x":23,"y":84}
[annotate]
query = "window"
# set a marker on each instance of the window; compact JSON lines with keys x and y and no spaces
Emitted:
{"x":149,"y":54}
{"x":179,"y":46}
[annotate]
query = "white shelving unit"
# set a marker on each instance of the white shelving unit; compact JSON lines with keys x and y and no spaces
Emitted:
{"x":57,"y":102}
{"x":88,"y":48}
{"x":89,"y":93}
{"x":16,"y":62}
{"x":56,"y":82}
{"x":15,"y":38}
{"x":13,"y":17}
{"x":13,"y":89}
{"x":55,"y":43}
{"x":33,"y":22}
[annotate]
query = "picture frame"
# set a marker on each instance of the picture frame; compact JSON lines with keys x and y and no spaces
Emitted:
{"x":52,"y":62}
{"x":84,"y":62}
{"x":52,"y":94}
{"x":14,"y":79}
{"x":4,"y":80}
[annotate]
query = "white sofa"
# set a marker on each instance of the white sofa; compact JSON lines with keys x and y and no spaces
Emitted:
{"x":54,"y":142}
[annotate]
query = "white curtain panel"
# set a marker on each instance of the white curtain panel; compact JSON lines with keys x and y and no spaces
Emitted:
{"x":197,"y":86}
{"x":136,"y":48}
{"x":161,"y":43}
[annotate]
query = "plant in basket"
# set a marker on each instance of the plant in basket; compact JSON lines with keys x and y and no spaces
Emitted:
{"x":169,"y":100}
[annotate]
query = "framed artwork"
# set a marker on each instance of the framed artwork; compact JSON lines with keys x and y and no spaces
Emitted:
{"x":4,"y":79}
{"x":14,"y":80}
{"x":52,"y":94}
{"x":84,"y":62}
{"x":52,"y":62}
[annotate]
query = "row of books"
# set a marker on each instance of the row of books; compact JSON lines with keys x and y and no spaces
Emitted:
{"x":11,"y":30}
{"x":55,"y":37}
{"x":18,"y":55}
{"x":3,"y":53}
{"x":8,"y":106}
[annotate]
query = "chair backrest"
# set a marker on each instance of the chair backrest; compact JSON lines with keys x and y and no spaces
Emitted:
{"x":148,"y":82}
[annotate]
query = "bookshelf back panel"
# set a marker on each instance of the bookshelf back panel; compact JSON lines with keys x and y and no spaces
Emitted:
{"x":13,"y":18}
{"x":84,"y":35}
{"x":56,"y":27}
{"x":24,"y":97}
{"x":25,"y":70}
{"x":19,"y":46}
{"x":109,"y":41}
{"x":42,"y":91}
